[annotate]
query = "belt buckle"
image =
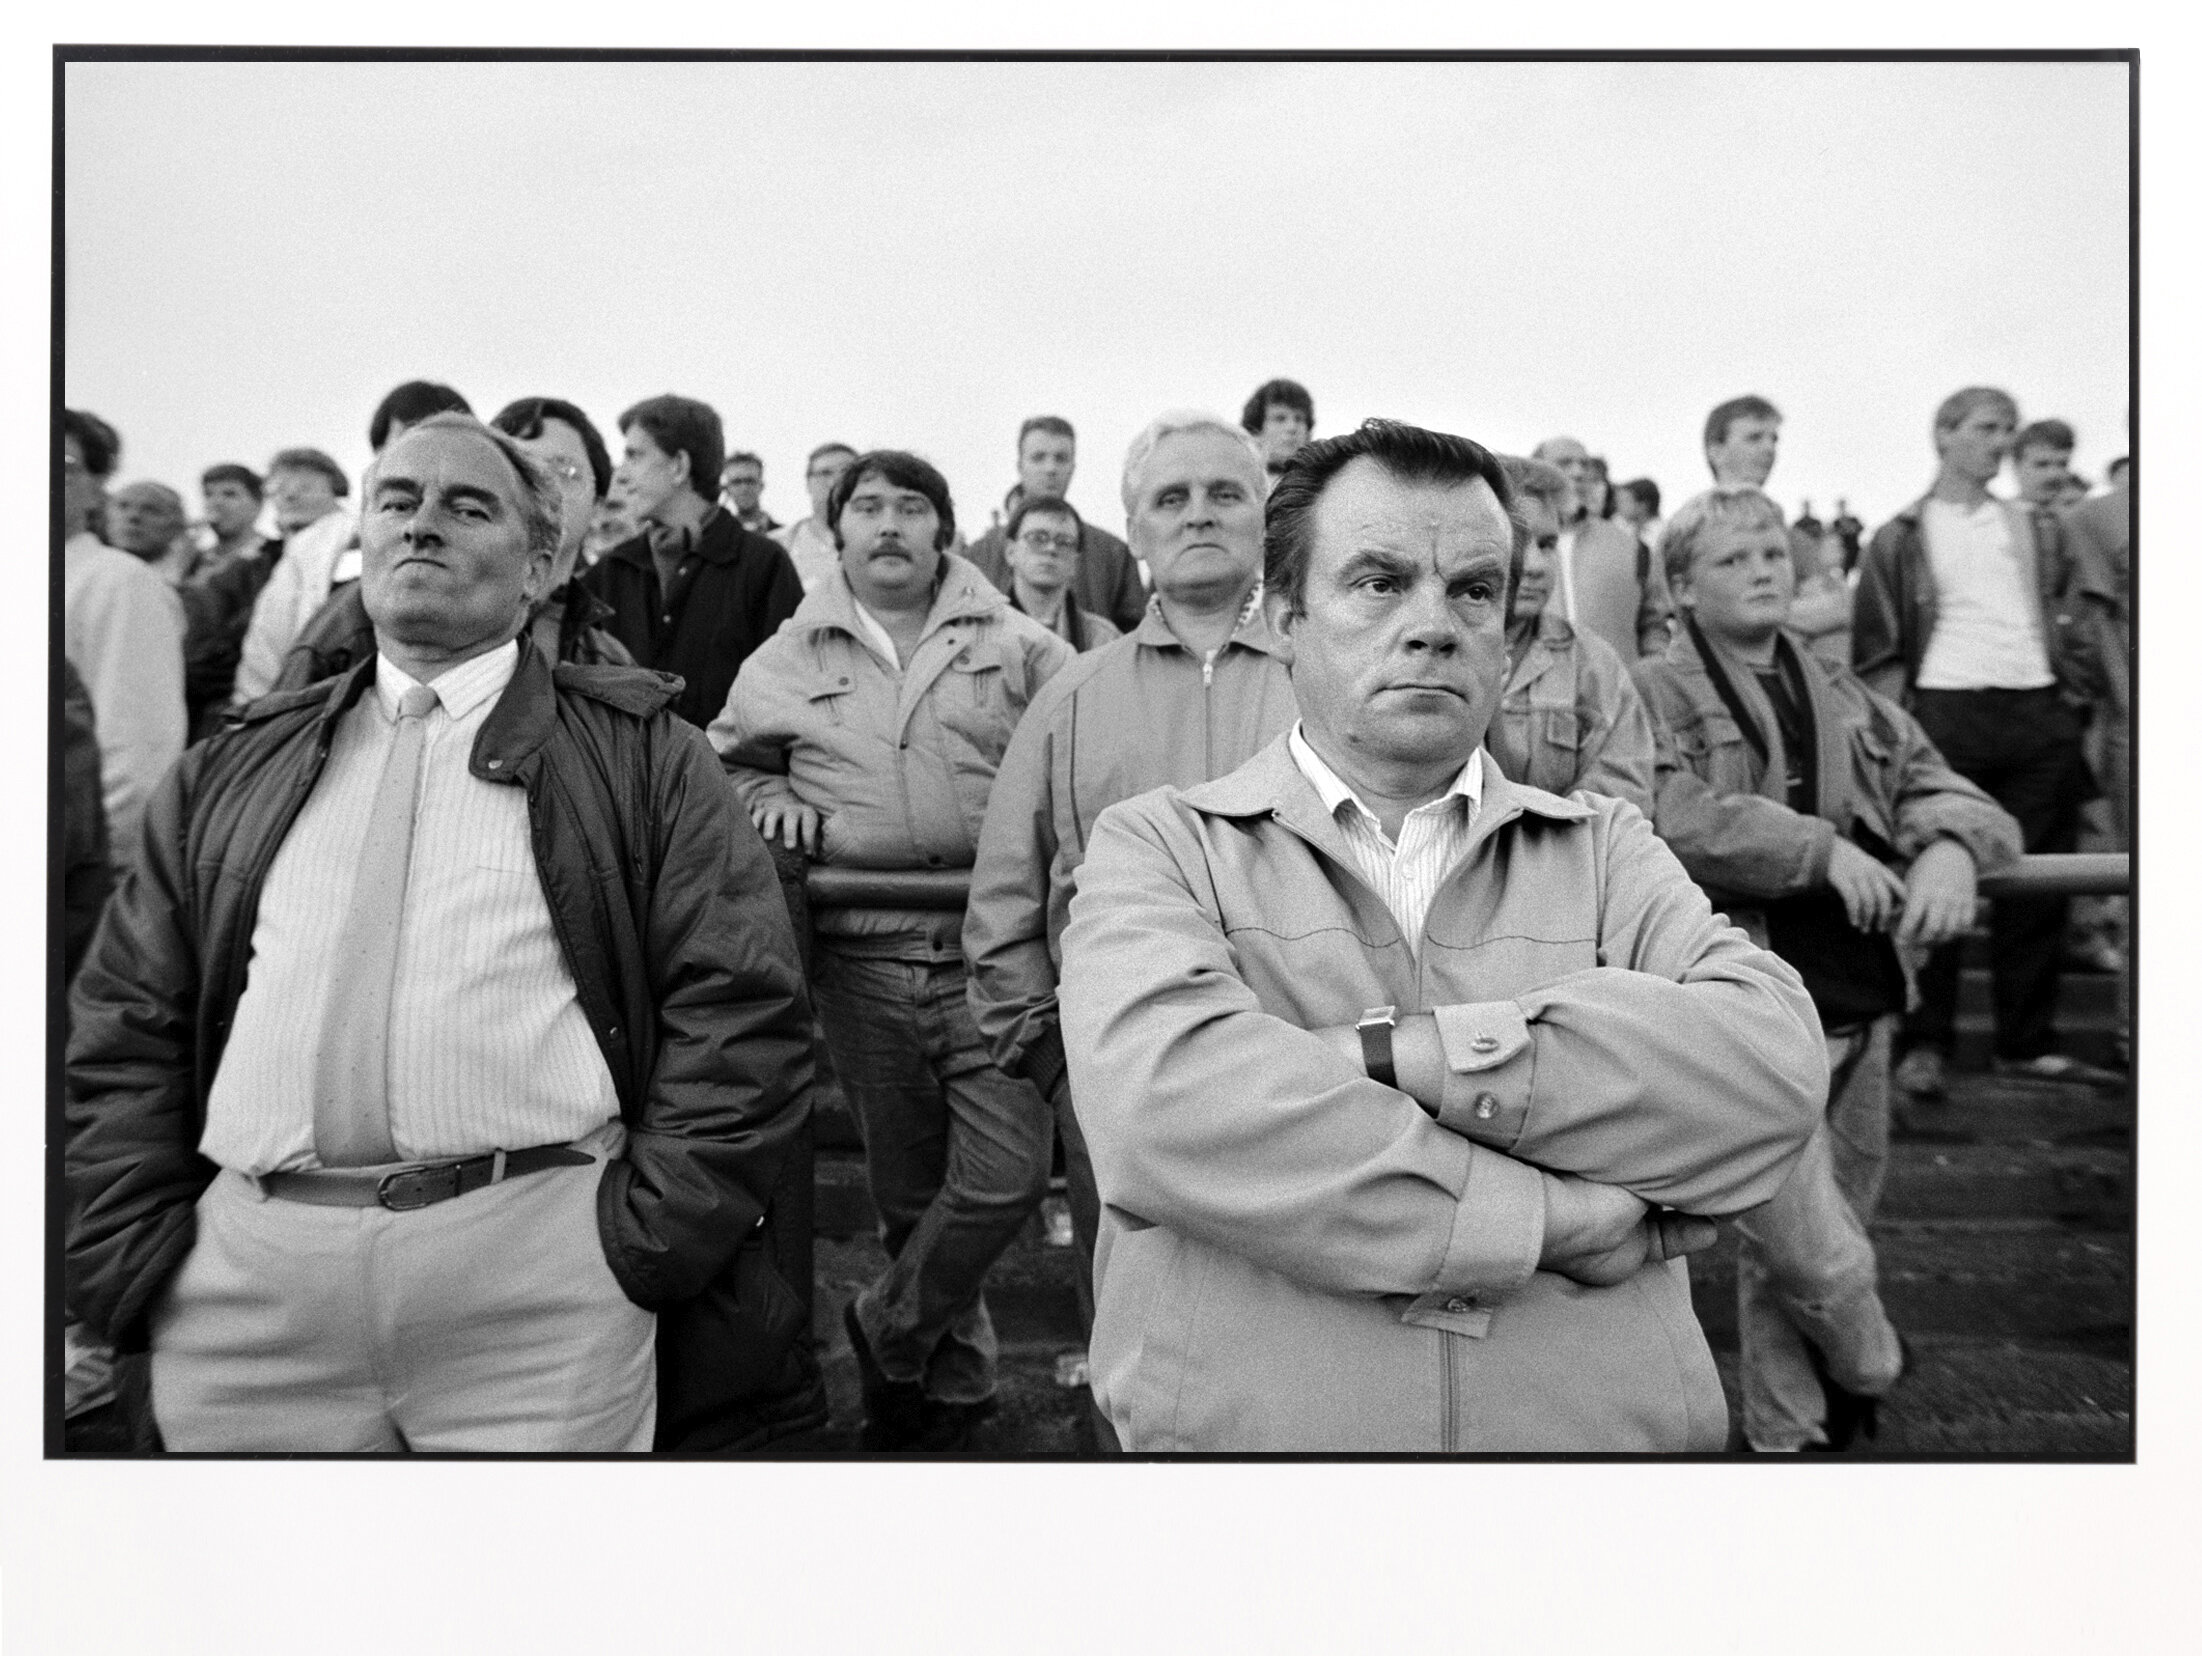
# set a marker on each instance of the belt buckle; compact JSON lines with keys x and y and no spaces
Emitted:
{"x":418,"y":1187}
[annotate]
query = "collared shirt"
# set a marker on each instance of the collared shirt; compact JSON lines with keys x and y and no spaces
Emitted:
{"x":489,"y":1048}
{"x":1431,"y":840}
{"x":877,"y":636}
{"x":1987,"y":632}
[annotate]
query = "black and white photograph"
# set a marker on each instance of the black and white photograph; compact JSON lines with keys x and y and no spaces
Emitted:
{"x":1011,"y":808}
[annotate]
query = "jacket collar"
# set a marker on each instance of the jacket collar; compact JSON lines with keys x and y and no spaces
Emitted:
{"x":1271,"y":785}
{"x":1831,"y":786}
{"x":963,"y":595}
{"x":717,"y":541}
{"x":1252,"y":631}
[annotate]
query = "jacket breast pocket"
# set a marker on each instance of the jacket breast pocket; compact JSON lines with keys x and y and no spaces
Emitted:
{"x":1713,"y":750}
{"x":827,"y":697}
{"x":975,"y":675}
{"x":1559,"y":727}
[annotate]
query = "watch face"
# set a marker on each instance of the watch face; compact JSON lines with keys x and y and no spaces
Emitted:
{"x":1379,"y":1017}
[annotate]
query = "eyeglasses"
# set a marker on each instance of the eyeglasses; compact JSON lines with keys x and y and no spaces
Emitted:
{"x":565,"y":470}
{"x":1041,"y":541}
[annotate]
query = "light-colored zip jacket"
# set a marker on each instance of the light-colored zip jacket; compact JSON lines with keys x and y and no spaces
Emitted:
{"x":899,"y":762}
{"x":1294,"y":1256}
{"x":1571,"y":719}
{"x":1133,"y":715}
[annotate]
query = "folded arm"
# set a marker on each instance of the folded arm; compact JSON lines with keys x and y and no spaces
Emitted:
{"x":1689,"y":1069}
{"x":1207,"y":1114}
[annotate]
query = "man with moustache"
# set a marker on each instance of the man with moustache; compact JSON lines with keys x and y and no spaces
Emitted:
{"x":868,"y":732}
{"x":1192,"y":692}
{"x":430,"y":1081}
{"x":1391,"y":1068}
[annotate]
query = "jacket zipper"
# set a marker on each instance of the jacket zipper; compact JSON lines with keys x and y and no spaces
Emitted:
{"x":1448,"y":1392}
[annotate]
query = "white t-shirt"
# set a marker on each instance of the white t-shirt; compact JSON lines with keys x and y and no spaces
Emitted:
{"x":1987,"y":627}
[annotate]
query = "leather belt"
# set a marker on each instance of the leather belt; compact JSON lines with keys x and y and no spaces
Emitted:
{"x":421,"y":1185}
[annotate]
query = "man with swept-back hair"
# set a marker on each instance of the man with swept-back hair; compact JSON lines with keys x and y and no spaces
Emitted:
{"x":567,"y":622}
{"x":427,"y":1087}
{"x":1191,"y":692}
{"x":1974,"y":618}
{"x":1406,"y":1085}
{"x":1820,"y":817}
{"x":695,"y":592}
{"x":1107,"y":579}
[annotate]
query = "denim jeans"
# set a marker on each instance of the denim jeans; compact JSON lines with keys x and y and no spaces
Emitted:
{"x":956,"y":1154}
{"x":1806,"y":1268}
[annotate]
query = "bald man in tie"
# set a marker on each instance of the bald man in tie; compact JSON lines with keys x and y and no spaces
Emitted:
{"x":441,"y":1060}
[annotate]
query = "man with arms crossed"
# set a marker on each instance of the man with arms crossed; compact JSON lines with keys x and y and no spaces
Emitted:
{"x":449,"y":1035}
{"x":1272,"y":983}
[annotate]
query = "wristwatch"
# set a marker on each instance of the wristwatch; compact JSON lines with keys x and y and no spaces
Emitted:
{"x":1375,"y":1029}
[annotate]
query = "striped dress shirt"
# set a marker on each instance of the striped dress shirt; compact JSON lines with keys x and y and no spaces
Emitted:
{"x":1431,"y":840}
{"x":489,"y":1048}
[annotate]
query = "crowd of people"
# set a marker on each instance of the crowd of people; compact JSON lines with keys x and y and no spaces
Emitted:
{"x":1413,"y":893}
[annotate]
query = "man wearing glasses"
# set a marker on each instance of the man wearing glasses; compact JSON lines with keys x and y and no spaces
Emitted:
{"x":1107,"y":577}
{"x":1043,"y":539}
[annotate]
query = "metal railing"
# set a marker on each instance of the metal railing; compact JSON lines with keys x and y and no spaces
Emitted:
{"x":2092,"y":874}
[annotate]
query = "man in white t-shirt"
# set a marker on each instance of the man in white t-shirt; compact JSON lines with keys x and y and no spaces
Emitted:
{"x":1970,"y":618}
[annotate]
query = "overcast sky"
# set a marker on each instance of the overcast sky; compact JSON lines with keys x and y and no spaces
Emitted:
{"x":920,"y":255}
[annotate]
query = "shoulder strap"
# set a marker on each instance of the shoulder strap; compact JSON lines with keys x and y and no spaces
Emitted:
{"x":1726,"y":690}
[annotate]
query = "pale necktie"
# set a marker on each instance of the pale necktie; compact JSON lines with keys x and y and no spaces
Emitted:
{"x":351,"y":1106}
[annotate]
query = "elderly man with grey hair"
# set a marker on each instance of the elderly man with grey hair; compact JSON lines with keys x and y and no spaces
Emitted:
{"x":1190,"y":693}
{"x":429,"y":1080}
